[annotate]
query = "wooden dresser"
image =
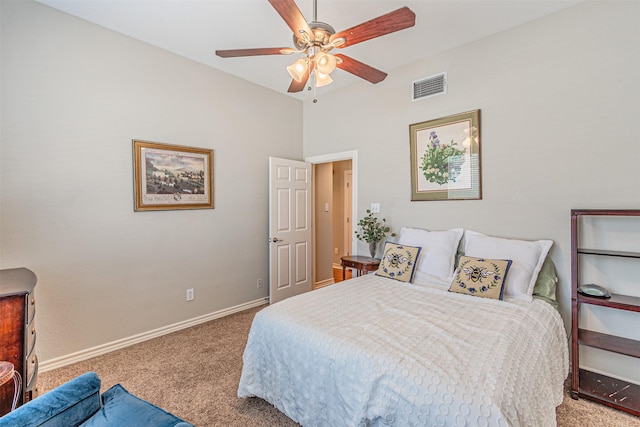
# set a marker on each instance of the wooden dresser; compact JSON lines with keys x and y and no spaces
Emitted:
{"x":18,"y":333}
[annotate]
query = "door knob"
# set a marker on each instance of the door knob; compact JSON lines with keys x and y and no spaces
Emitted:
{"x":275,"y":240}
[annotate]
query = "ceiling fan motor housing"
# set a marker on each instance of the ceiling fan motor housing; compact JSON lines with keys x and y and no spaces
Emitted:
{"x":322,"y":32}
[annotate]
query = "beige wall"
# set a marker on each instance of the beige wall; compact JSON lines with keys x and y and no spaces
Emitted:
{"x":559,"y":100}
{"x":74,"y":95}
{"x":323,"y":222}
{"x":559,"y":106}
{"x":339,"y":168}
{"x":328,"y":224}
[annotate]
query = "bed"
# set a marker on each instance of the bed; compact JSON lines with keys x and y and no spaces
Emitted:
{"x":376,"y":350}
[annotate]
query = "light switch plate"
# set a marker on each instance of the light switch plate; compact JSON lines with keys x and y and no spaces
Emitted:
{"x":375,"y":207}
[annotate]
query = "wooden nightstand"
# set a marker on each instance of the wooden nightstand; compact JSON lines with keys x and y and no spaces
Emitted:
{"x":362,"y":264}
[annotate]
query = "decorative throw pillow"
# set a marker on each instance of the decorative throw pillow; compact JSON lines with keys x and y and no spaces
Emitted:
{"x":438,"y":249}
{"x":398,"y":261}
{"x":481,"y":277}
{"x":527,"y":257}
{"x":545,"y":288}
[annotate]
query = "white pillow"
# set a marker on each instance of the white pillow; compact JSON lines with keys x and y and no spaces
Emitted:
{"x":438,"y":255}
{"x":527,"y":257}
{"x":421,"y":278}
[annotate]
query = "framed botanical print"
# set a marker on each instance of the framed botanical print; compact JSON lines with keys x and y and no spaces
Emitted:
{"x":445,"y":158}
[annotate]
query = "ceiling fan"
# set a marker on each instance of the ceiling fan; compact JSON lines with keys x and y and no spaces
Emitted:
{"x":316,"y":40}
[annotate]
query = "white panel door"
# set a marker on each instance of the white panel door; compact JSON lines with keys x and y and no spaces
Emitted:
{"x":289,"y":228}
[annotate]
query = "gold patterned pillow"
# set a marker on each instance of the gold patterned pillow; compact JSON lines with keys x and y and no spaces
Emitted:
{"x":398,"y":261}
{"x":481,"y":277}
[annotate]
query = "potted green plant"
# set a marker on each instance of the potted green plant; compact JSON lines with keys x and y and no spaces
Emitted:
{"x":372,"y":230}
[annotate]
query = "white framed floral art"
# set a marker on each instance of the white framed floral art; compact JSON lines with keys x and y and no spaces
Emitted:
{"x":445,"y":158}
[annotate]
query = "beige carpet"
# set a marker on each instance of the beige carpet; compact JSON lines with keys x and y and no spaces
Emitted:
{"x":194,"y":374}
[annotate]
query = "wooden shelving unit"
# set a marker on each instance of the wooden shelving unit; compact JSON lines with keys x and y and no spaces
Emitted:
{"x":584,"y":383}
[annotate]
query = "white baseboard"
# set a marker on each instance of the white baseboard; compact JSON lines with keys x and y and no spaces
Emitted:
{"x":323,"y":283}
{"x":79,"y":356}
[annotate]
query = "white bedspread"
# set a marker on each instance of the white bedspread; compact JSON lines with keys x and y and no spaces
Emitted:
{"x":374,"y":351}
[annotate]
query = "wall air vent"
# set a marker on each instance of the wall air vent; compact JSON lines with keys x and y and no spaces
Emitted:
{"x":431,"y":86}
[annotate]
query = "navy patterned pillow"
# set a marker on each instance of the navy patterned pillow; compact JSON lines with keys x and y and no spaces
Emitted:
{"x":481,"y":277}
{"x":398,"y":261}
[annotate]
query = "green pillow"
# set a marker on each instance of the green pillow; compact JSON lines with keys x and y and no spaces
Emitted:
{"x":545,"y":288}
{"x":398,"y":261}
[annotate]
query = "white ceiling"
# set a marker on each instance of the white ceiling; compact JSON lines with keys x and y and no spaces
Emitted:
{"x":196,"y":28}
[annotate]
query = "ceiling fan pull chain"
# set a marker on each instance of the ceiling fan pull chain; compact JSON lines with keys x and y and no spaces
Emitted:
{"x":315,"y":98}
{"x":313,"y":71}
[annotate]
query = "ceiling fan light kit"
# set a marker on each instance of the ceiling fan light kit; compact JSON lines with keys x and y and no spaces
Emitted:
{"x":325,"y":63}
{"x":316,"y":40}
{"x":298,"y":69}
{"x":322,"y":79}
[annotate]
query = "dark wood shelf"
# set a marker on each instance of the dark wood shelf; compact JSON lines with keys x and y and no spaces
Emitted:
{"x":621,"y":302}
{"x":606,"y":212}
{"x":603,"y":252}
{"x":584,"y":383}
{"x":620,"y":345}
{"x":609,"y":391}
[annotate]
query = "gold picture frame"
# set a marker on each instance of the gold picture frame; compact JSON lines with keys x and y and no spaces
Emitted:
{"x":169,"y":177}
{"x":445,"y":158}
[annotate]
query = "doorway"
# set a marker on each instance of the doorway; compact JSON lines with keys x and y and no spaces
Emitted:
{"x":334,"y":207}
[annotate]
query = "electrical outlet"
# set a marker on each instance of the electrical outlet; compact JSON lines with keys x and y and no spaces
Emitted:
{"x":190,"y":295}
{"x":335,"y":251}
{"x":259,"y":283}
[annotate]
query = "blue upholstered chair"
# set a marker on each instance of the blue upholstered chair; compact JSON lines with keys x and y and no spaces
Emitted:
{"x":79,"y":403}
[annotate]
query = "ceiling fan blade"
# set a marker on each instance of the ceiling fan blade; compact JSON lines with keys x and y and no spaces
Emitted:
{"x":297,"y":86}
{"x":385,"y":24}
{"x":289,"y":11}
{"x":231,"y":53}
{"x":360,"y":69}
